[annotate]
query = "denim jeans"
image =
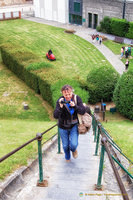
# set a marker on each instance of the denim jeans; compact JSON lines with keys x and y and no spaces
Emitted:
{"x":69,"y":139}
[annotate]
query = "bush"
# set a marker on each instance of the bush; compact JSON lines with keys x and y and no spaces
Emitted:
{"x":99,"y":29}
{"x":105,"y":25}
{"x":123,"y":95}
{"x":119,"y":27}
{"x":101,"y":82}
{"x":130,"y":31}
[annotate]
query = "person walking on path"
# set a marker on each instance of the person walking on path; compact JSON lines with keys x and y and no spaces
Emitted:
{"x":126,"y":64}
{"x":66,"y":112}
{"x":122,"y":52}
{"x":97,"y":38}
{"x":129,"y":50}
{"x":126,"y":52}
{"x":93,"y":38}
{"x":100,"y":40}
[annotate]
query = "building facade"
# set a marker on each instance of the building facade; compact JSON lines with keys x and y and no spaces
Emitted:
{"x":88,"y":13}
{"x":75,"y":11}
{"x":13,"y":2}
{"x":95,"y":10}
{"x":55,"y":10}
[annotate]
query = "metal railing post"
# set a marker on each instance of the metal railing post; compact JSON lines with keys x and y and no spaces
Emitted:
{"x":41,"y":182}
{"x":95,"y":131}
{"x":99,"y":186}
{"x":93,"y":122}
{"x":97,"y":142}
{"x":58,"y":141}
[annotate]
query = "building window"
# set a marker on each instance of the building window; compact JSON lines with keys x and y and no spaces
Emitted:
{"x":95,"y":20}
{"x":75,"y":19}
{"x":76,"y":7}
{"x":90,"y":20}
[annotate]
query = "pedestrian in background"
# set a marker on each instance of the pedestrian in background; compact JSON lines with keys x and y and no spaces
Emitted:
{"x":93,"y":37}
{"x":122,"y":52}
{"x":126,"y":52}
{"x":129,"y":50}
{"x":97,"y":38}
{"x":126,"y":64}
{"x":100,"y":40}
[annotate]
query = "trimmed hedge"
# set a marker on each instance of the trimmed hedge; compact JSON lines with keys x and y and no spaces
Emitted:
{"x":40,"y":76}
{"x":123,"y":95}
{"x":101,"y":82}
{"x":130,"y":31}
{"x":16,"y":60}
{"x":119,"y":27}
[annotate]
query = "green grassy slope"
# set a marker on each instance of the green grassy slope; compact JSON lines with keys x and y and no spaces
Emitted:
{"x":17,"y":125}
{"x":75,"y":56}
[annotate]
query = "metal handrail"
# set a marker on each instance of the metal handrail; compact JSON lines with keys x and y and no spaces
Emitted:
{"x":122,"y":166}
{"x":108,"y":135}
{"x":121,"y":153}
{"x":41,"y":182}
{"x":17,"y":149}
{"x":105,"y":139}
{"x":113,"y":143}
{"x":25,"y":144}
{"x":116,"y":146}
{"x":122,"y":188}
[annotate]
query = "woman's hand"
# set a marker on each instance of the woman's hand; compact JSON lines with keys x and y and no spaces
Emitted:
{"x":72,"y":104}
{"x":61,"y":104}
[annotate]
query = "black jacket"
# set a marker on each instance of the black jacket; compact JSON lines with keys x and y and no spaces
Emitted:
{"x":65,"y":119}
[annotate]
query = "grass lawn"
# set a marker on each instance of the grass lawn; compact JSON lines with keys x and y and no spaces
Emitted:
{"x":75,"y":57}
{"x":116,"y":49}
{"x":17,"y":125}
{"x":121,"y":129}
{"x":14,"y":133}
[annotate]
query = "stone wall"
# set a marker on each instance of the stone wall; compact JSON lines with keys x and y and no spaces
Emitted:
{"x":12,"y":2}
{"x":111,"y":8}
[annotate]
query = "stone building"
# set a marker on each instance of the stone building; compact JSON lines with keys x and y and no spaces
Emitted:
{"x":88,"y":13}
{"x":13,"y":2}
{"x":95,"y":10}
{"x":56,"y":10}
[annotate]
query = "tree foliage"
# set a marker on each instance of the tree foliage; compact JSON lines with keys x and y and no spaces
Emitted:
{"x":101,"y":82}
{"x":123,"y":95}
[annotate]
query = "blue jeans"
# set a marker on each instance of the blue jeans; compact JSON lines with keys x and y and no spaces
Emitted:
{"x":69,"y":139}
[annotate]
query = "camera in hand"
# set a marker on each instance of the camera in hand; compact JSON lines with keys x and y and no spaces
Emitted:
{"x":65,"y":102}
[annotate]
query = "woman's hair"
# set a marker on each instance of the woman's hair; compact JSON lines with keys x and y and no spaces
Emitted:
{"x":67,"y":87}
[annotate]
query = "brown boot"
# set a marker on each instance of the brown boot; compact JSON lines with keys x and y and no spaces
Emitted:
{"x":68,"y":161}
{"x":75,"y":154}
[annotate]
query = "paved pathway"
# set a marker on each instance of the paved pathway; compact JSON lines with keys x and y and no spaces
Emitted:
{"x":67,"y":181}
{"x":86,"y":34}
